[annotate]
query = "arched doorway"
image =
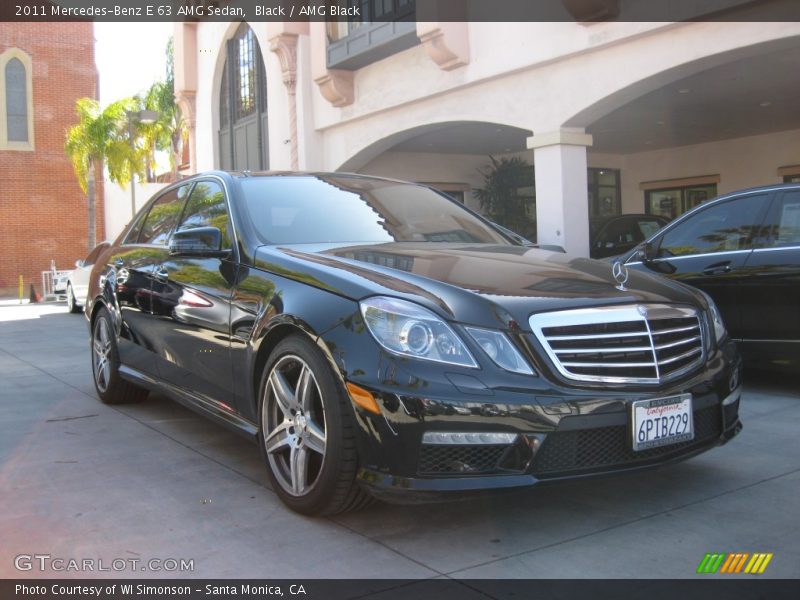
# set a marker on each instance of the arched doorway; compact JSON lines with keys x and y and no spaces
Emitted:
{"x":461,"y":159}
{"x":684,"y":135}
{"x":243,"y":134}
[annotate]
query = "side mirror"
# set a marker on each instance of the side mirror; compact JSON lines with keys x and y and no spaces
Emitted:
{"x":79,"y":263}
{"x":646,"y":253}
{"x":205,"y":242}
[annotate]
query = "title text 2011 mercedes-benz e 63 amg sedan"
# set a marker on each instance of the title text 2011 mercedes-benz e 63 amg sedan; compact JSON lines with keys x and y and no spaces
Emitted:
{"x":376,"y":338}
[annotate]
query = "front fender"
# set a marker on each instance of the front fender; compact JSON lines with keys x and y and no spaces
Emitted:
{"x":265,"y":308}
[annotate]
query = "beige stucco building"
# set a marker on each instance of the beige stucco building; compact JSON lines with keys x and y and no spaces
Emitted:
{"x":614,"y":116}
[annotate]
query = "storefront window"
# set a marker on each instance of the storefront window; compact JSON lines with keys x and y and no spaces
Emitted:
{"x":604,"y":192}
{"x":672,"y":202}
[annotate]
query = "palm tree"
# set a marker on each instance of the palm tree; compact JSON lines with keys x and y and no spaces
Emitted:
{"x":101,"y":137}
{"x":169,"y":130}
{"x":167,"y":133}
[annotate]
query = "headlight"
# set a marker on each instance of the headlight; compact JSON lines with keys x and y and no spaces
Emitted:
{"x":408,"y":329}
{"x":715,"y":318}
{"x":502,"y":352}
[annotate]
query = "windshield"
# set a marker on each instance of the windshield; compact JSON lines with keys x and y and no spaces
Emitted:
{"x":333,"y":209}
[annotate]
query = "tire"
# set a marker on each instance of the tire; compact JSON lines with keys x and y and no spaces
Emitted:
{"x":111,"y":388}
{"x":306,"y":432}
{"x":72,"y":305}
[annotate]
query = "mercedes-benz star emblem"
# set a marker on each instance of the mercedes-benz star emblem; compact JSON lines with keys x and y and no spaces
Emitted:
{"x":620,"y":273}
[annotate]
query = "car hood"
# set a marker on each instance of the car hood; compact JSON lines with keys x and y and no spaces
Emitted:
{"x":480,"y":284}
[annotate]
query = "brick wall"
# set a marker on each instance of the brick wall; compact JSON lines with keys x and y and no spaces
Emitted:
{"x":43,"y":212}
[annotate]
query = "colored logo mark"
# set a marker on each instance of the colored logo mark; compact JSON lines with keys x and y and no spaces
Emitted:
{"x":735,"y":562}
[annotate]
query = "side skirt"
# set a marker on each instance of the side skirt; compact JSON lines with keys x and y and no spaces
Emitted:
{"x":200,"y":404}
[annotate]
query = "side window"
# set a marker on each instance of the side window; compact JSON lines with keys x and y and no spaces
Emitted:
{"x":785,"y":221}
{"x":206,"y":208}
{"x":133,"y":234}
{"x":163,"y":217}
{"x":723,"y":227}
{"x":620,"y":231}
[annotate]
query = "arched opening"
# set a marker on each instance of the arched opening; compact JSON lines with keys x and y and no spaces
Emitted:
{"x":455,"y":157}
{"x":243,"y":133}
{"x":16,"y":101}
{"x":687,"y":134}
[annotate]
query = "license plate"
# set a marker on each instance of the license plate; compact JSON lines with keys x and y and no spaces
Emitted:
{"x":661,"y":421}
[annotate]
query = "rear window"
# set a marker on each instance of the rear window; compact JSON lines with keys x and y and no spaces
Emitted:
{"x":648,"y":227}
{"x":163,"y":217}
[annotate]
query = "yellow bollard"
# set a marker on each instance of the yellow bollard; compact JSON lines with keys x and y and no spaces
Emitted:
{"x":21,"y":289}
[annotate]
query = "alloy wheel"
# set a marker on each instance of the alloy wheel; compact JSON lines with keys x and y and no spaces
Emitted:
{"x":293,"y":425}
{"x":101,"y":347}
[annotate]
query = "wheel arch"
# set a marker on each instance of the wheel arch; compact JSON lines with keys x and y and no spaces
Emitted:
{"x":273,"y":336}
{"x":96,"y":306}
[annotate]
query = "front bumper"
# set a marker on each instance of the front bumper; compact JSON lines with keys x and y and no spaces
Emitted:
{"x":563,"y":434}
{"x":397,"y":489}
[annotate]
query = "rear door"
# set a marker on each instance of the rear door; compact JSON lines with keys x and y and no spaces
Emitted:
{"x":709,"y":248}
{"x":770,"y":290}
{"x":135,"y":262}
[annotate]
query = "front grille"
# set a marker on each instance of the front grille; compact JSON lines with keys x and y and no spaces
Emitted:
{"x":435,"y":459}
{"x":640,"y":343}
{"x":585,"y":450}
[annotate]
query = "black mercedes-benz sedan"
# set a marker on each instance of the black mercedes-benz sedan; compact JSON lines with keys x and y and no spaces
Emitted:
{"x":378,"y":339}
{"x":743,"y":250}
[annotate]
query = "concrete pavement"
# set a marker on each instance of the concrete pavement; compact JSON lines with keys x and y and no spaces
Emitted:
{"x":79,"y":479}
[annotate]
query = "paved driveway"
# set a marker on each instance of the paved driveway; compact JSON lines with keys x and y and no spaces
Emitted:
{"x":82,"y":480}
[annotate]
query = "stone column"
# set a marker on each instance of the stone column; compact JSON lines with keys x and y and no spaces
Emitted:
{"x":185,"y":65}
{"x":562,"y":206}
{"x":285,"y":46}
{"x":186,"y":101}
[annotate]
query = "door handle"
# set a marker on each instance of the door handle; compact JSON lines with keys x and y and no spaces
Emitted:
{"x":718,"y":268}
{"x":162,"y":275}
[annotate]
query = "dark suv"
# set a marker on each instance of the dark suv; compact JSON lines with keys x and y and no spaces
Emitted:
{"x":377,"y":338}
{"x":743,"y":249}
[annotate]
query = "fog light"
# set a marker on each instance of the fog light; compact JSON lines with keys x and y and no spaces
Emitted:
{"x":734,"y":381}
{"x":731,"y":398}
{"x":467,"y":438}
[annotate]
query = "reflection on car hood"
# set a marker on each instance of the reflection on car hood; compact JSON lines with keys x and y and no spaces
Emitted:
{"x":472,"y":283}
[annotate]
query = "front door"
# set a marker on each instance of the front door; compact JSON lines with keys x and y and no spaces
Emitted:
{"x":191,"y":302}
{"x":709,"y":248}
{"x":770,"y":288}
